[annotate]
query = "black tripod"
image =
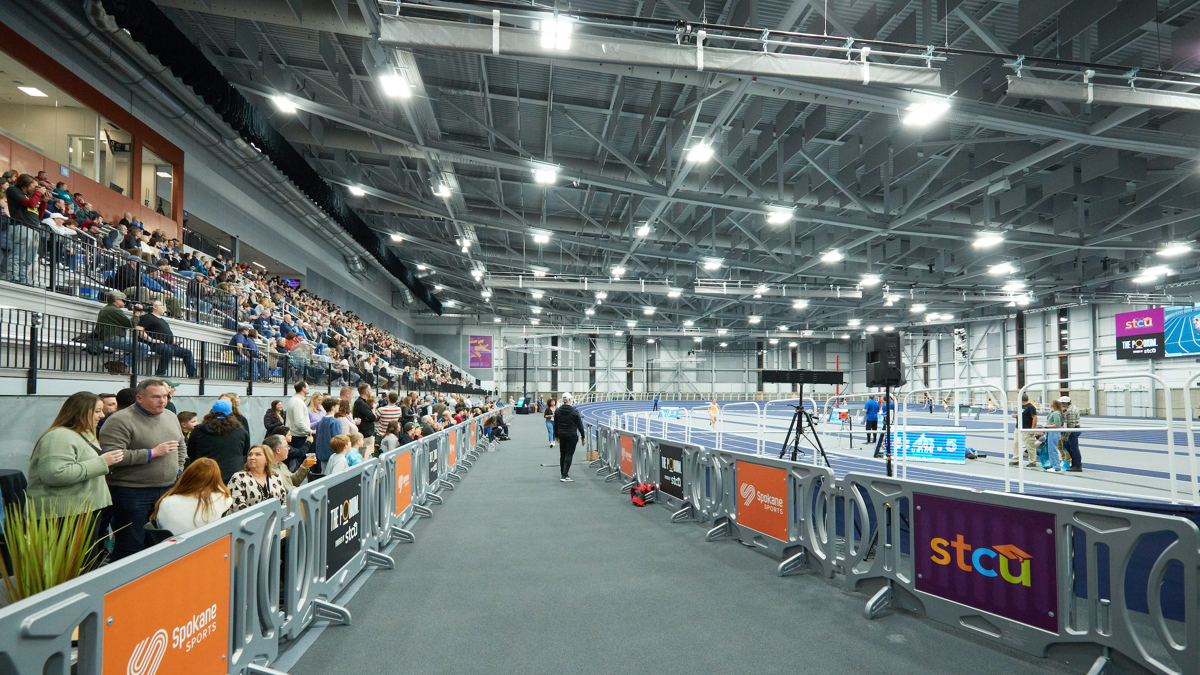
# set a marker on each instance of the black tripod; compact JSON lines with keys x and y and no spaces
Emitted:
{"x":883,"y":443}
{"x":800,"y":420}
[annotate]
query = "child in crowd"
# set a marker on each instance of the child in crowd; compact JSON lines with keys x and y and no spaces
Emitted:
{"x":337,"y":462}
{"x":355,"y":455}
{"x":187,"y":422}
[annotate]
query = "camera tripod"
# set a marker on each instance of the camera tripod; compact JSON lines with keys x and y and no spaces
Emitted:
{"x":802,"y":425}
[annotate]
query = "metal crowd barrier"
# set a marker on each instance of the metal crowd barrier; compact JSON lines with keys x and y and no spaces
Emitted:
{"x":221,"y":598}
{"x":1026,"y":572}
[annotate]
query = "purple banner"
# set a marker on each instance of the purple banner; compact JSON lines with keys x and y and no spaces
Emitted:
{"x":992,"y":558}
{"x":481,"y":351}
{"x":1140,"y":323}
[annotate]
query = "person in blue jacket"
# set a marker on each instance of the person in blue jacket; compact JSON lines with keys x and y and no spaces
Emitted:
{"x":872,"y":409}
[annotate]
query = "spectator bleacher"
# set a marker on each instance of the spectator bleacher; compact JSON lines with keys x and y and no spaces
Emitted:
{"x":74,"y":251}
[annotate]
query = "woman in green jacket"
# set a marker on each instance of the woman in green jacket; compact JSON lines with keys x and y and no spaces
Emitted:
{"x":67,"y":467}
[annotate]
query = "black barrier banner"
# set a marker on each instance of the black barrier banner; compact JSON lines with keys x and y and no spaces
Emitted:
{"x":433,"y":464}
{"x":670,"y":474}
{"x":344,"y":541}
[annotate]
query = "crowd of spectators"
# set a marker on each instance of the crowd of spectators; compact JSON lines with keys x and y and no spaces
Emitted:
{"x":144,"y":468}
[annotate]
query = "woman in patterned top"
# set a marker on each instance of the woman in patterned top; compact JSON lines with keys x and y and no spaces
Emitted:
{"x":257,"y":483}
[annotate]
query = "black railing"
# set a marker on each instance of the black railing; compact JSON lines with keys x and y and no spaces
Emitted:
{"x":202,"y":243}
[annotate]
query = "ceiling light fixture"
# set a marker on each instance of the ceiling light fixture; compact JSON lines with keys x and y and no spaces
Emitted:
{"x":689,"y":323}
{"x":854,"y":323}
{"x":601,"y":295}
{"x":832,"y":255}
{"x":556,"y":33}
{"x":589,"y":311}
{"x":800,"y":304}
{"x":160,"y":174}
{"x":541,"y":238}
{"x":647,"y":311}
{"x":630,"y":324}
{"x":917,"y":309}
{"x":762,"y":288}
{"x":1014,"y":286}
{"x":438,"y":287}
{"x":38,"y":93}
{"x":1174,"y":248}
{"x":754,"y":319}
{"x":926,"y":112}
{"x":395,"y":86}
{"x":1001,"y":269}
{"x":674,"y":293}
{"x":724,"y":344}
{"x":697,"y":339}
{"x":699,"y":153}
{"x":259,"y":266}
{"x":545,"y":176}
{"x":284,"y":105}
{"x":774,"y":341}
{"x":870,"y":280}
{"x":722,"y":331}
{"x":793,"y":344}
{"x":442,"y":191}
{"x":537,"y":295}
{"x":539,"y":273}
{"x":643,"y":231}
{"x":477,"y":273}
{"x":845,"y":336}
{"x":618,"y":271}
{"x":779,"y":216}
{"x":537,"y":310}
{"x":988,"y":239}
{"x":888,"y":329}
{"x":872,"y":329}
{"x":357,"y":191}
{"x":448,"y":303}
{"x":711,"y":264}
{"x":785,"y":328}
{"x":535,"y":321}
{"x":486,"y":294}
{"x":649,"y":341}
{"x":496,"y":319}
{"x":397,"y":237}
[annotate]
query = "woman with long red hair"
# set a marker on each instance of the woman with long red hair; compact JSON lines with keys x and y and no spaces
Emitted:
{"x":198,"y":498}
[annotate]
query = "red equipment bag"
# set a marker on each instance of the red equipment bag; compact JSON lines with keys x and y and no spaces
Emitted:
{"x":642,"y":494}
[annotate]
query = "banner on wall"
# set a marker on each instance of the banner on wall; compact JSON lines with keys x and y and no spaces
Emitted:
{"x":151,"y":627}
{"x":992,"y":558}
{"x":1140,"y":335}
{"x":480,"y":351}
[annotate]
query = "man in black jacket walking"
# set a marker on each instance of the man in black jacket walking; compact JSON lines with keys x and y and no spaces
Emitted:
{"x":568,"y":427}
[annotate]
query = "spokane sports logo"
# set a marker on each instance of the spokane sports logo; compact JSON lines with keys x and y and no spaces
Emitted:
{"x":748,"y":493}
{"x":148,"y":654}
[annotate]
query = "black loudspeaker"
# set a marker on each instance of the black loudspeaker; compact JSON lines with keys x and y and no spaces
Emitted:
{"x":883,"y":360}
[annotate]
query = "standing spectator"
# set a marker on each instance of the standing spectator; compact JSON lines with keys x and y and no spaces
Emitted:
{"x":389,"y":412}
{"x":364,"y":412}
{"x":651,"y":409}
{"x":150,"y":437}
{"x":274,"y":416}
{"x":187,"y":423}
{"x":157,"y":333}
{"x":391,"y":438}
{"x":337,"y":463}
{"x":316,"y":411}
{"x":297,"y":422}
{"x":25,"y":202}
{"x":222,"y":438}
{"x":1071,"y":438}
{"x":115,"y":331}
{"x":257,"y":482}
{"x":67,"y":467}
{"x":171,"y":387}
{"x":872,"y":418}
{"x":1028,"y":418}
{"x":1051,"y":438}
{"x":236,"y":402}
{"x":551,"y":408}
{"x":326,"y":429}
{"x":110,"y":407}
{"x":198,"y":498}
{"x":280,"y":449}
{"x":568,"y":428}
{"x":341,"y":413}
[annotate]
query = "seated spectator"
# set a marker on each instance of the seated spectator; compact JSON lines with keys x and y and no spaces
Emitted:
{"x":156,"y":332}
{"x":198,"y":498}
{"x":246,"y":355}
{"x":337,"y":463}
{"x":356,"y":454}
{"x":222,"y":438}
{"x":67,"y":467}
{"x":257,"y":482}
{"x":117,"y":331}
{"x":427,"y":426}
{"x":391,"y":438}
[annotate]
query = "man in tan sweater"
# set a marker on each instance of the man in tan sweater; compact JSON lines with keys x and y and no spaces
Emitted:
{"x":150,"y":437}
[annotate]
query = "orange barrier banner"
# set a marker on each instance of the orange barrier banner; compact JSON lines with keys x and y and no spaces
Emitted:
{"x":762,"y":494}
{"x":453,"y":456}
{"x":403,"y":482}
{"x":172,"y":620}
{"x":627,"y":455}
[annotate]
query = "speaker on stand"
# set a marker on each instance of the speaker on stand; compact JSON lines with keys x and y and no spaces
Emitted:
{"x":884,"y":369}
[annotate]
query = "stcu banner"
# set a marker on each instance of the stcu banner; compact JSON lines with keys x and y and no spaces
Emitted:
{"x":762,"y":499}
{"x":670,"y":469}
{"x":344,"y":540}
{"x":403,"y":482}
{"x":1140,"y":335}
{"x":152,"y":627}
{"x":992,"y":558}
